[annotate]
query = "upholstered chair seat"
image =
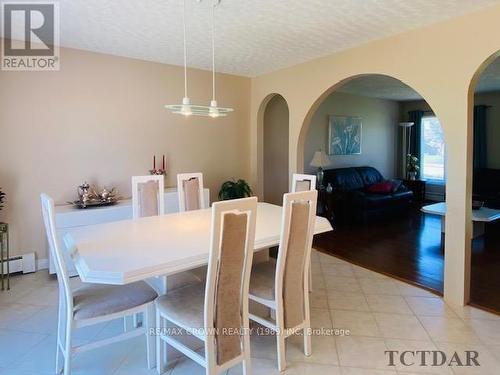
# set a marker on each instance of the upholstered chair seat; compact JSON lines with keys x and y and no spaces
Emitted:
{"x":184,"y":307}
{"x":262,"y":280}
{"x":94,"y":300}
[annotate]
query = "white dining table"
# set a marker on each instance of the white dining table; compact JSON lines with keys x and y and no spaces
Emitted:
{"x":125,"y":251}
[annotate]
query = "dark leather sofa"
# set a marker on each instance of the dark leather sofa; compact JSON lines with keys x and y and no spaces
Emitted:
{"x":486,"y":186}
{"x":354,"y":204}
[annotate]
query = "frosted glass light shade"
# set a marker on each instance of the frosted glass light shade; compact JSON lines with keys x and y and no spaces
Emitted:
{"x":188,"y":109}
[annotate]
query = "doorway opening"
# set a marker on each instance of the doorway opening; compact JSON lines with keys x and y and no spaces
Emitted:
{"x":275,"y":149}
{"x":485,"y":258}
{"x":386,"y":161}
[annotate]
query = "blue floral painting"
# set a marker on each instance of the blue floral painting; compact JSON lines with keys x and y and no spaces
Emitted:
{"x":344,"y":135}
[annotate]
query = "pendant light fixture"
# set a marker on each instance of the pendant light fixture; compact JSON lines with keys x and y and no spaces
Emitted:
{"x":186,"y":108}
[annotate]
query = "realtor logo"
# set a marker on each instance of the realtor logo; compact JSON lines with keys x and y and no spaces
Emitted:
{"x":30,"y":36}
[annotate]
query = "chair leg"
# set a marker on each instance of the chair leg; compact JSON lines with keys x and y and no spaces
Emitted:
{"x":210,"y":368}
{"x":58,"y":356}
{"x":247,"y":365}
{"x":60,"y":325}
{"x":307,"y":326}
{"x":149,"y":318}
{"x":307,"y":341}
{"x":138,"y":320}
{"x":280,"y":341}
{"x":160,"y":345}
{"x":280,"y":337}
{"x":67,"y":349}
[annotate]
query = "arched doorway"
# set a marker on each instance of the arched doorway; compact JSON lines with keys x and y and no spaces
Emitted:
{"x":275,"y":129}
{"x":485,"y":92}
{"x":384,"y":230}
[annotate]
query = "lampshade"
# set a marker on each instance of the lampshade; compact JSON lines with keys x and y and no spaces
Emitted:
{"x":406,"y":124}
{"x":319,"y":160}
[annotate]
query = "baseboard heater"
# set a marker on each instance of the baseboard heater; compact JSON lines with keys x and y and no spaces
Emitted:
{"x":21,"y":263}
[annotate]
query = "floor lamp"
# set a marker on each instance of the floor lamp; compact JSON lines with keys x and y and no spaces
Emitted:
{"x":406,"y":149}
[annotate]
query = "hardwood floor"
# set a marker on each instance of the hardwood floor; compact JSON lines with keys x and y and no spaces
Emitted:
{"x":412,"y":249}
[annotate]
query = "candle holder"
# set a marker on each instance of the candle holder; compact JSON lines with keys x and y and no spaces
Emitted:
{"x":158,"y":172}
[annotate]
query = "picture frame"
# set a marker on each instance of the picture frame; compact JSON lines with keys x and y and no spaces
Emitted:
{"x":344,"y":135}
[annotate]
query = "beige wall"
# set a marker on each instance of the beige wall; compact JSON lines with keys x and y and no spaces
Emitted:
{"x":439,"y":62}
{"x":379,"y":125}
{"x":100,"y":119}
{"x":492,"y":126}
{"x":275,"y":150}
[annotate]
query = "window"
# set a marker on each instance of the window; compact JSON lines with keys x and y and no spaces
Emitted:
{"x":432,"y":150}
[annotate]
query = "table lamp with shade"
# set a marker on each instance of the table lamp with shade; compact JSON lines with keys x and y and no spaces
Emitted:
{"x":319,"y":160}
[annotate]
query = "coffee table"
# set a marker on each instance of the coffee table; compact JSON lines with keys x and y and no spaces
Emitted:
{"x":479,"y":217}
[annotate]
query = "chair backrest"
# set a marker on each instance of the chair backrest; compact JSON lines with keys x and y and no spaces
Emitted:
{"x":303,"y":182}
{"x":229,"y":266}
{"x":148,"y":198}
{"x":56,"y":251}
{"x":294,"y":254}
{"x":190,"y":191}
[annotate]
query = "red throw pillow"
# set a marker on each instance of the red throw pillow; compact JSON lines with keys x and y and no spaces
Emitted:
{"x":380,"y":188}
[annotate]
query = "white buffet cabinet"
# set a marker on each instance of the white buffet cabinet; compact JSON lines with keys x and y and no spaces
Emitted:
{"x":68,"y":217}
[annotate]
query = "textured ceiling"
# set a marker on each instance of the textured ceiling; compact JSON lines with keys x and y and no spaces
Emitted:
{"x":254,"y":36}
{"x":383,"y":87}
{"x":490,"y":78}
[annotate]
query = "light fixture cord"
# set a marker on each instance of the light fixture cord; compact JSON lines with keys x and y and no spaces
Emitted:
{"x":213,"y":49}
{"x":185,"y":48}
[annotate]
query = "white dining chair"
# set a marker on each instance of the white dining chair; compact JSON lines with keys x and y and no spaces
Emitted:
{"x":148,"y":198}
{"x":190,"y":191}
{"x":282,"y":285}
{"x":303,"y":182}
{"x":218,"y":313}
{"x":92,"y":304}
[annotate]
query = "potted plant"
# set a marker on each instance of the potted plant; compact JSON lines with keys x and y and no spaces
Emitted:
{"x":235,"y":190}
{"x":412,"y":166}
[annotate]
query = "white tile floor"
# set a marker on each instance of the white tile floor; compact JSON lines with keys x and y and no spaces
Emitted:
{"x":381,"y":314}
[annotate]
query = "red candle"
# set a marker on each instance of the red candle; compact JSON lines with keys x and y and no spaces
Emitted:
{"x":154,"y":162}
{"x":163,"y":164}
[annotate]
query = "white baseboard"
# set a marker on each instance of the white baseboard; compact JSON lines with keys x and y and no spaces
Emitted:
{"x":42,"y":264}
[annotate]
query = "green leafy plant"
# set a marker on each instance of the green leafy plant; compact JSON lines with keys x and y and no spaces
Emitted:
{"x":2,"y":197}
{"x":235,"y":190}
{"x":412,"y":164}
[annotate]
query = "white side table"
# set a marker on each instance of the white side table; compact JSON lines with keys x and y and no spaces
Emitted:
{"x":479,"y":217}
